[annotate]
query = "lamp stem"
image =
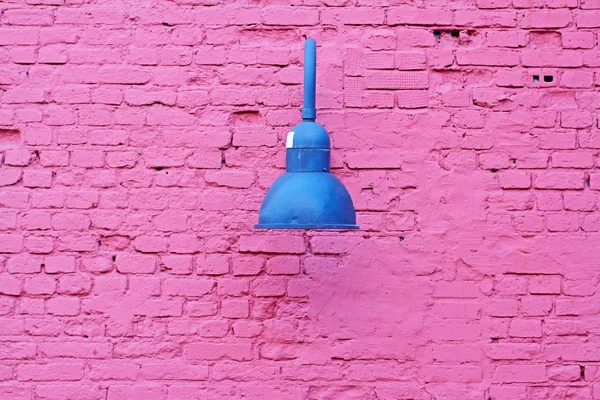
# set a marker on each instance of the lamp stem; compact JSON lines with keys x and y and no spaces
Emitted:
{"x":309,"y":112}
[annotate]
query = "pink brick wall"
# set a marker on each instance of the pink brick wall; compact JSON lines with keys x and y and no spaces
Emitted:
{"x":137,"y":139}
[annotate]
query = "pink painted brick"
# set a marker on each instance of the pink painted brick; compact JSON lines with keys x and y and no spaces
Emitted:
{"x":546,"y":19}
{"x":587,"y":19}
{"x":56,"y":264}
{"x":577,"y":40}
{"x":289,"y":16}
{"x":536,"y":306}
{"x":405,"y":15}
{"x":477,"y":18}
{"x":135,"y":264}
{"x":414,"y":37}
{"x":519,"y":373}
{"x":562,"y":222}
{"x":147,"y":391}
{"x":11,"y":243}
{"x":559,"y":180}
{"x":269,"y":287}
{"x":53,"y":371}
{"x":577,"y":79}
{"x":487,"y":57}
{"x":240,"y":351}
{"x":238,"y":308}
{"x":513,"y":351}
{"x":572,"y":160}
{"x":272,"y":244}
{"x":174,"y":371}
{"x":545,"y":58}
{"x":283,"y":265}
{"x":544,"y":284}
{"x":506,"y":39}
{"x":63,"y":306}
{"x":493,"y":3}
{"x":515,"y":179}
{"x":213,"y":264}
{"x":185,"y":287}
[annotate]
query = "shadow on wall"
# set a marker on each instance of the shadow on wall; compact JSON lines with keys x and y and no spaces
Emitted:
{"x":371,"y":296}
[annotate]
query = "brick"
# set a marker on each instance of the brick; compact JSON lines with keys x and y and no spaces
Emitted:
{"x":503,"y":308}
{"x":72,"y":371}
{"x":235,"y":308}
{"x":546,"y":19}
{"x":135,"y":264}
{"x":247,"y":265}
{"x":27,"y":17}
{"x":289,"y":16}
{"x":145,"y":391}
{"x":124,"y":75}
{"x":405,"y":15}
{"x":577,"y":40}
{"x":559,"y":327}
{"x":559,"y":180}
{"x":577,"y":79}
{"x":515,"y":179}
{"x":353,"y":16}
{"x":536,"y":306}
{"x":496,"y":58}
{"x":588,"y":19}
{"x":268,"y":287}
{"x":213,"y":264}
{"x":186,"y":287}
{"x":414,"y":37}
{"x":240,"y":351}
{"x":272,"y":244}
{"x":525,"y":328}
{"x":572,"y":160}
{"x":513,"y":351}
{"x":75,"y":350}
{"x":576,"y":119}
{"x":11,"y":243}
{"x":465,"y":374}
{"x":174,"y":371}
{"x":493,"y":3}
{"x":519,"y":373}
{"x":546,"y":58}
{"x":492,"y":19}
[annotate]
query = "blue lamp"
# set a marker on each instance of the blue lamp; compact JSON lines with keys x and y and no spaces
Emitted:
{"x":307,"y":196}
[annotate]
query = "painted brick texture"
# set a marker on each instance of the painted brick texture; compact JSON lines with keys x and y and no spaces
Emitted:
{"x":138,"y":138}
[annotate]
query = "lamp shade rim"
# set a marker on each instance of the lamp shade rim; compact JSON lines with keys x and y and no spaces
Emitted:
{"x":308,"y":226}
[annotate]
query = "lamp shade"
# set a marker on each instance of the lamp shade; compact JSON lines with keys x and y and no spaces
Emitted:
{"x":308,"y":195}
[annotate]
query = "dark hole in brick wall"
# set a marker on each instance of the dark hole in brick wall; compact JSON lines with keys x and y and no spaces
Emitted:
{"x":114,"y":258}
{"x":8,"y":132}
{"x":582,"y":372}
{"x":401,"y":238}
{"x":536,"y":78}
{"x":548,"y":78}
{"x":455,"y":33}
{"x":437,"y":34}
{"x":9,"y":137}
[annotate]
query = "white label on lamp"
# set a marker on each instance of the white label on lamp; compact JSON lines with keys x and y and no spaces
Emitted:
{"x":289,"y":143}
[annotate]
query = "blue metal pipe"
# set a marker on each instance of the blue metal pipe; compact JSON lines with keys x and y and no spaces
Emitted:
{"x":309,"y":112}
